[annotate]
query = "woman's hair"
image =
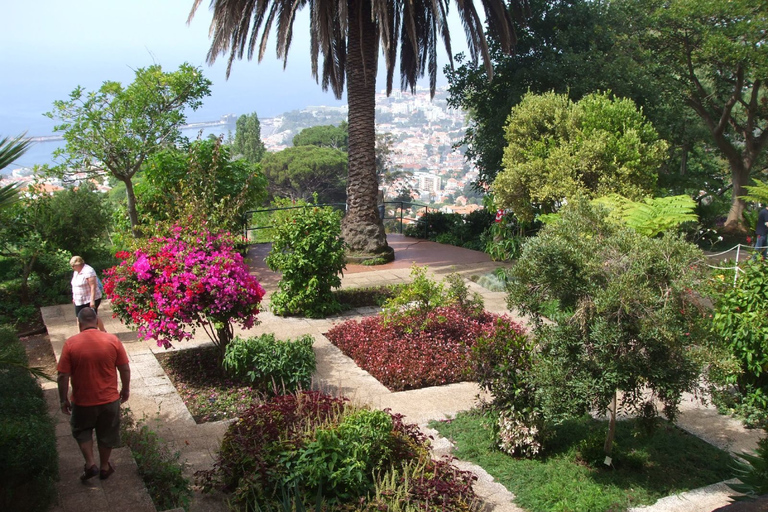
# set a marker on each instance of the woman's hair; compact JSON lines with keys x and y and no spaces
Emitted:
{"x":76,"y":260}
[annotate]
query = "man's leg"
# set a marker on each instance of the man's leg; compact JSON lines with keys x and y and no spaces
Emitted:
{"x":104,"y":453}
{"x":86,"y":447}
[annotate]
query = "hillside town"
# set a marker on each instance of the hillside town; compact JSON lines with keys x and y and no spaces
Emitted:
{"x":423,"y":132}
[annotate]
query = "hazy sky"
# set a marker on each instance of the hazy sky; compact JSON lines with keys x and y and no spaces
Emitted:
{"x":51,"y":46}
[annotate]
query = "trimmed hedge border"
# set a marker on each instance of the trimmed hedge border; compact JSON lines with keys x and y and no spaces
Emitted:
{"x":29,"y":461}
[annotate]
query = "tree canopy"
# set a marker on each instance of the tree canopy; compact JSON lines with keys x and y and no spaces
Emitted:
{"x":324,"y":136}
{"x":299,"y":172}
{"x":558,"y":149}
{"x":115,"y":129}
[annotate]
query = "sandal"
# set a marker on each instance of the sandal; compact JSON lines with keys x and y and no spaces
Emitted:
{"x":105,"y":473}
{"x":89,"y":472}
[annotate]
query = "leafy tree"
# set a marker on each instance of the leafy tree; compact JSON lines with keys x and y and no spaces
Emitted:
{"x":349,"y":35}
{"x":115,"y":129}
{"x":248,"y":143}
{"x":624,"y":316}
{"x":558,"y":149}
{"x":714,"y":51}
{"x":200,"y":179}
{"x":299,"y":172}
{"x":324,"y":136}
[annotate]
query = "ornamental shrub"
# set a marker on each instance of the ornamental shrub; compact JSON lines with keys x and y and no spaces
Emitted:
{"x":169,"y":285}
{"x":629,"y":315}
{"x":309,"y":447}
{"x":308,"y":249}
{"x":271,"y":364}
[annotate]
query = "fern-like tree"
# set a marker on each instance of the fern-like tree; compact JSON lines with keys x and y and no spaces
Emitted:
{"x":348,"y":34}
{"x":10,"y":150}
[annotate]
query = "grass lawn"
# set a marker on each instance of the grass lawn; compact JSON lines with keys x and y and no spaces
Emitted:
{"x":646,"y":467}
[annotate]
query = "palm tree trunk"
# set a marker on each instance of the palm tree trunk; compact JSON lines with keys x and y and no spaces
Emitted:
{"x":362,"y":228}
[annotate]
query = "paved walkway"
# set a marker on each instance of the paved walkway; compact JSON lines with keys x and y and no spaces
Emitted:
{"x":154,"y":397}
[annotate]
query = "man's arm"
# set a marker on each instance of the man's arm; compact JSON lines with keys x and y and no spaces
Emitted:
{"x":63,"y":381}
{"x":125,"y":378}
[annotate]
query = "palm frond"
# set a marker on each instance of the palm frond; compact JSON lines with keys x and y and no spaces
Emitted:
{"x":11,"y":149}
{"x":9,"y":194}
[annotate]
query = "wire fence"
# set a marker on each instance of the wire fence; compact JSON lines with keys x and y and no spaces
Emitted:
{"x":742,"y":253}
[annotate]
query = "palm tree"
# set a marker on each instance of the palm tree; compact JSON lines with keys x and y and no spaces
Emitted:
{"x":10,"y":150}
{"x":349,"y":33}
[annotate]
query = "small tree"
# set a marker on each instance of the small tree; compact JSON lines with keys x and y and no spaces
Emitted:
{"x":309,"y":251}
{"x":248,"y":143}
{"x":114,"y":130}
{"x":624,"y":312}
{"x":169,"y":285}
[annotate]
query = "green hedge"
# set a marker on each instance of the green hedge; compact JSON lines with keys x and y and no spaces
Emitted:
{"x":29,"y":461}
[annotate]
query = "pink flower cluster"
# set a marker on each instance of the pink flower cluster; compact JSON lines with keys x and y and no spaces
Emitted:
{"x":173,"y":284}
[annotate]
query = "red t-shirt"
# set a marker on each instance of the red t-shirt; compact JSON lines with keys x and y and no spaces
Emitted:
{"x":92,"y":358}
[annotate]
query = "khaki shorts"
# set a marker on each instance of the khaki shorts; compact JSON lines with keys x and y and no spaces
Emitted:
{"x":105,"y":419}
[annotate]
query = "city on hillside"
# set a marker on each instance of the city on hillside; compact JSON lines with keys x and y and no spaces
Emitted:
{"x":423,"y":131}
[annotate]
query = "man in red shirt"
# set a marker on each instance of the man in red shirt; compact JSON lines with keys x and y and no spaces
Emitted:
{"x":92,"y":360}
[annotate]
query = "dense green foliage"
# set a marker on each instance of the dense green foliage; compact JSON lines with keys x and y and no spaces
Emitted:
{"x":113,"y":131}
{"x":741,"y":323}
{"x":271,"y":364}
{"x":159,"y":467}
{"x":626,"y":316}
{"x":38,"y":235}
{"x":652,"y":216}
{"x":248,"y":143}
{"x":28,"y":457}
{"x":646,"y":468}
{"x":309,"y":252}
{"x":558,"y":149}
{"x":300,"y":172}
{"x":201,"y":181}
{"x":324,"y":136}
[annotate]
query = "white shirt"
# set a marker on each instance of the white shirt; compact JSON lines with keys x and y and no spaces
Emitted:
{"x":81,"y":288}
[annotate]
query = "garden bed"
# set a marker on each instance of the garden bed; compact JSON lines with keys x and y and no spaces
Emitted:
{"x":208,"y":393}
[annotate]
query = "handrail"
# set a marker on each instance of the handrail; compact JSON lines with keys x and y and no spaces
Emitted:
{"x":402,"y":205}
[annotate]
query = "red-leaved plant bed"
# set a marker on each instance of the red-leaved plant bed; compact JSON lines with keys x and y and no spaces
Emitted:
{"x":417,"y":351}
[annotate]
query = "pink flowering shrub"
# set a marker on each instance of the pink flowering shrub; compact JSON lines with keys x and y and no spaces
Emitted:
{"x":416,"y":351}
{"x":172,"y":284}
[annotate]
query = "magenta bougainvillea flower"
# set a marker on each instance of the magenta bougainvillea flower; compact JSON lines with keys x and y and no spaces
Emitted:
{"x":192,"y":278}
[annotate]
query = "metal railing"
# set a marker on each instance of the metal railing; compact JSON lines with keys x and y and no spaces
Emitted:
{"x":254,"y":219}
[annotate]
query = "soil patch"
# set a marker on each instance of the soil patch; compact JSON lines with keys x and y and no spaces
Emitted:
{"x":208,"y":393}
{"x":40,"y":353}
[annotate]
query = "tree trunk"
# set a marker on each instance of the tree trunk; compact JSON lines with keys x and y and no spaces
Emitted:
{"x":739,"y":178}
{"x":132,"y":213}
{"x":362,"y":228}
{"x":224,"y":336}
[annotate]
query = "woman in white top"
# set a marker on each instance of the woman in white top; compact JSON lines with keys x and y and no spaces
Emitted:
{"x":85,"y":290}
